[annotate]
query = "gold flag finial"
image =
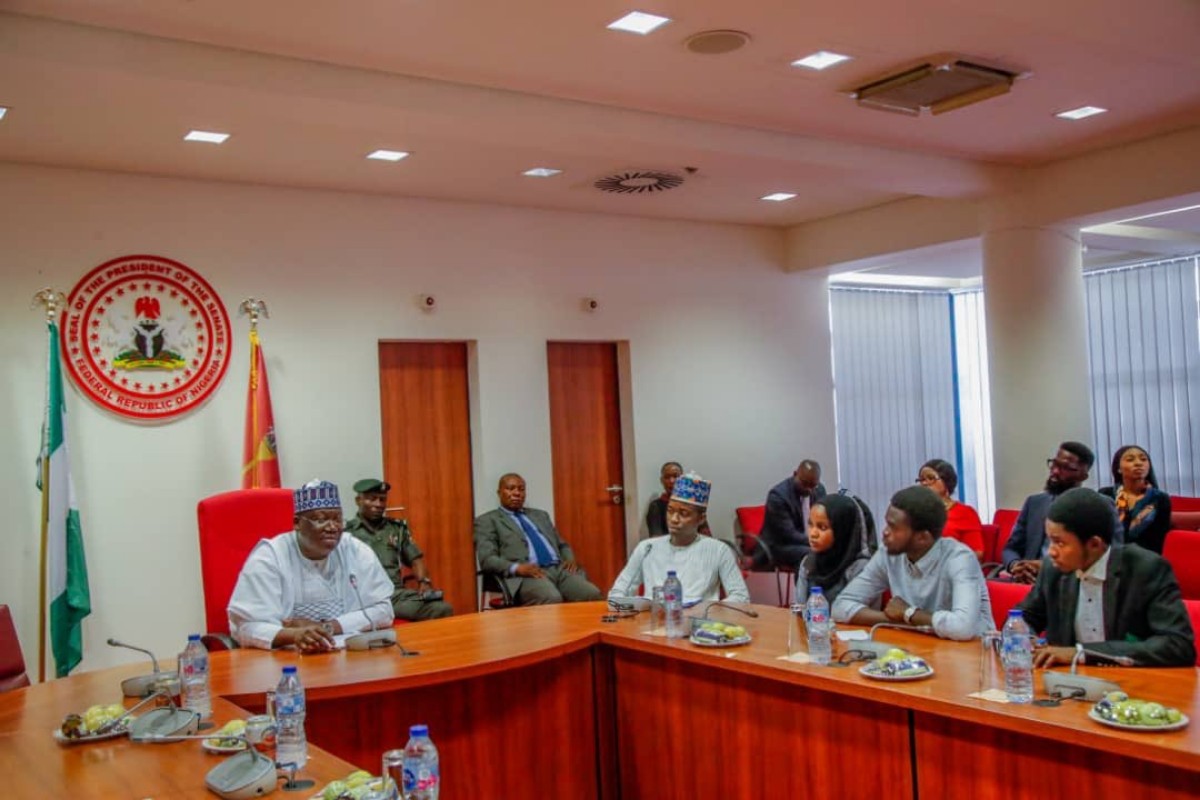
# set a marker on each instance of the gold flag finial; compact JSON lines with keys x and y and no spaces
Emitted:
{"x":254,"y":308}
{"x":52,"y":301}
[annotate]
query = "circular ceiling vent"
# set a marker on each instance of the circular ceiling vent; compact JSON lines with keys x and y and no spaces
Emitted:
{"x":639,"y":182}
{"x":714,"y":43}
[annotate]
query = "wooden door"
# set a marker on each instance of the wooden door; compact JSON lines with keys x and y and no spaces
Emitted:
{"x":427,"y":457}
{"x":585,"y":440}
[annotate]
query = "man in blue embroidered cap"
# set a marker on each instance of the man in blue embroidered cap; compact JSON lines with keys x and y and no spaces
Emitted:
{"x":704,"y":565}
{"x":521,"y":547}
{"x":303,"y":587}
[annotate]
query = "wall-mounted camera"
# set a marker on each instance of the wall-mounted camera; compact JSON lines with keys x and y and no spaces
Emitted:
{"x":428,"y":302}
{"x":591,"y":304}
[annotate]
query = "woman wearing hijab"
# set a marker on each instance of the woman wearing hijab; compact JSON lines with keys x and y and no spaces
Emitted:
{"x":1144,"y":509}
{"x":835,"y":534}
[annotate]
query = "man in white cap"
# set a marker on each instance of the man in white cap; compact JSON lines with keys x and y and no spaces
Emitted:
{"x":704,"y":565}
{"x":303,"y":587}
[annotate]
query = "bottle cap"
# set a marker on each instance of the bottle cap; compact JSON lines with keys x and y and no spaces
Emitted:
{"x":815,"y":590}
{"x":670,"y":573}
{"x":289,"y":670}
{"x":1015,"y":612}
{"x":193,"y":637}
{"x":418,"y":730}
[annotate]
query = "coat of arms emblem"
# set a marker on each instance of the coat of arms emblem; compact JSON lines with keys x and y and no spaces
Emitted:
{"x":146,"y":337}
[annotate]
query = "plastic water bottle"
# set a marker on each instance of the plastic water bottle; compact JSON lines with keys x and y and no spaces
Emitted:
{"x":820,"y":648}
{"x":193,"y":677}
{"x":1016,"y":653}
{"x":673,"y":602}
{"x":291,"y":746}
{"x":422,"y":779}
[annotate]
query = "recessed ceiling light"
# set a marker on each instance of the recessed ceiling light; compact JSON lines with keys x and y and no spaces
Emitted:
{"x":3,"y":111}
{"x":822,"y":59}
{"x":778,"y":197}
{"x":1081,"y":113}
{"x":388,"y":155}
{"x":212,"y":137}
{"x":542,"y":172}
{"x":638,"y":22}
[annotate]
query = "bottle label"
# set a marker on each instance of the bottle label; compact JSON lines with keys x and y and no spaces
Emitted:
{"x":289,"y":704}
{"x":194,"y":666}
{"x":420,"y":777}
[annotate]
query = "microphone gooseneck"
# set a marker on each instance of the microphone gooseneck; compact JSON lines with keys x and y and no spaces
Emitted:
{"x":749,"y":612}
{"x":153,"y":660}
{"x":361,"y":606}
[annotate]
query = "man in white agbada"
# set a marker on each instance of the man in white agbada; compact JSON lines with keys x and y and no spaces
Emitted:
{"x":704,"y":565}
{"x":298,"y":588}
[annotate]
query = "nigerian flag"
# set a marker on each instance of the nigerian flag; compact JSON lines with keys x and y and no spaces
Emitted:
{"x":62,"y":543}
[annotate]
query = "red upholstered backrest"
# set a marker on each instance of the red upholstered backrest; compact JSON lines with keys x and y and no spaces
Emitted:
{"x":1182,"y":550}
{"x":1193,"y":609}
{"x":1005,"y":596}
{"x":991,"y":543}
{"x":1185,"y":520}
{"x":750,"y":518}
{"x":231,"y":524}
{"x":12,"y":663}
{"x":1004,"y":519}
{"x":1181,"y":503}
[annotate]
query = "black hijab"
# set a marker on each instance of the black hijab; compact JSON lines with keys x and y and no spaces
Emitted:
{"x":844,"y":518}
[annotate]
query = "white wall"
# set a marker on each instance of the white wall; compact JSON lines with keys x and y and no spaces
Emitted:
{"x":729,"y":358}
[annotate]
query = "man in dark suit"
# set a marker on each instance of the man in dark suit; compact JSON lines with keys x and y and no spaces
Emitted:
{"x":785,"y":527}
{"x":1121,"y":601}
{"x":521,"y":547}
{"x":1027,"y":544}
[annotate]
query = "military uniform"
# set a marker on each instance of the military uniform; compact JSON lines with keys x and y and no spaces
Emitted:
{"x":394,"y":547}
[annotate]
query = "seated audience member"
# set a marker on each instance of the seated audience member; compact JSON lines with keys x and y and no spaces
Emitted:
{"x":1144,"y":509}
{"x":1114,"y":600}
{"x":297,"y":588}
{"x":521,"y":547}
{"x":393,"y":545}
{"x":703,"y":565}
{"x":785,"y":526}
{"x":933,"y":581}
{"x":836,"y":531}
{"x":1027,"y":544}
{"x":656,"y":514}
{"x":962,"y":521}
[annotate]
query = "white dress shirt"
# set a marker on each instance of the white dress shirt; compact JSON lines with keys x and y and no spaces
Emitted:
{"x":703,"y":567}
{"x":1089,"y":612}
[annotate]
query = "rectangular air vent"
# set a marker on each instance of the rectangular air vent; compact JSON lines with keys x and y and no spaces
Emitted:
{"x":937,"y":84}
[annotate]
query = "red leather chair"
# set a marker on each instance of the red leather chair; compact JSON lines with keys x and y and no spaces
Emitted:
{"x":231,"y":523}
{"x":1182,"y":550}
{"x":756,"y":552}
{"x":12,"y":663}
{"x":1004,"y":519}
{"x":991,"y":543}
{"x":1004,"y":596}
{"x":1193,"y":609}
{"x":1185,"y":513}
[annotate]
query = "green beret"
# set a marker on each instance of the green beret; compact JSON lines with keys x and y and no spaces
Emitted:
{"x":368,"y":485}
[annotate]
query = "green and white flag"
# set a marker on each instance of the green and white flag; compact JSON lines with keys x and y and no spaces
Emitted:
{"x":66,"y":570}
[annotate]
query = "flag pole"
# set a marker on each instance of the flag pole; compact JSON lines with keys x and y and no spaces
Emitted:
{"x":50,"y":301}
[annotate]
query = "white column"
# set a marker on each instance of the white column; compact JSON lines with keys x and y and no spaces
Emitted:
{"x":1037,"y":352}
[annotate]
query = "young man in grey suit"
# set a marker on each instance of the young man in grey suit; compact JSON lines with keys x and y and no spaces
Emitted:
{"x":521,"y":547}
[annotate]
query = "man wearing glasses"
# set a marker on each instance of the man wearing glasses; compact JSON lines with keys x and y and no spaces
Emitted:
{"x":303,"y":587}
{"x":1027,"y":545}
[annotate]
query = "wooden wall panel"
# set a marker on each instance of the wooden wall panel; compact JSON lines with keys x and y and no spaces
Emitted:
{"x":427,"y":456}
{"x":526,"y":733}
{"x":585,"y":437}
{"x":962,"y":759}
{"x":689,"y":732}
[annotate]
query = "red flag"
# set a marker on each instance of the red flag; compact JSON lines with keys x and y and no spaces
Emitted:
{"x":260,"y":469}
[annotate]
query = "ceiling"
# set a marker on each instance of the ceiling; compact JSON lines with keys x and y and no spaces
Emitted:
{"x":481,"y":91}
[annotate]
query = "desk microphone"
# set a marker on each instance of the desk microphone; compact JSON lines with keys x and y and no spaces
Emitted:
{"x":145,"y":685}
{"x":1082,"y":687}
{"x":880,"y":648}
{"x":372,"y":639}
{"x":749,"y":612}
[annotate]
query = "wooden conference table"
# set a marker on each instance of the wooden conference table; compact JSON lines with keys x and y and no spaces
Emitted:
{"x":551,"y":702}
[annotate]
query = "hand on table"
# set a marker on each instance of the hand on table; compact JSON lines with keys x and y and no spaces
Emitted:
{"x":1049,"y":656}
{"x":895,"y":609}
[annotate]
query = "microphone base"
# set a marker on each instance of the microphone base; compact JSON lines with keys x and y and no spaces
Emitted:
{"x":870,"y":645}
{"x":248,"y":774}
{"x":1067,"y":685}
{"x":371,"y":640}
{"x":146,"y":685}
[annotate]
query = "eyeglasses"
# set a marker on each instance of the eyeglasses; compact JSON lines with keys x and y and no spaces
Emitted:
{"x":926,"y":481}
{"x":329,"y":522}
{"x":1063,"y":466}
{"x":852,"y":657}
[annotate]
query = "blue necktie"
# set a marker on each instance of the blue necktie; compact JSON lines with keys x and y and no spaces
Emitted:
{"x":541,"y":550}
